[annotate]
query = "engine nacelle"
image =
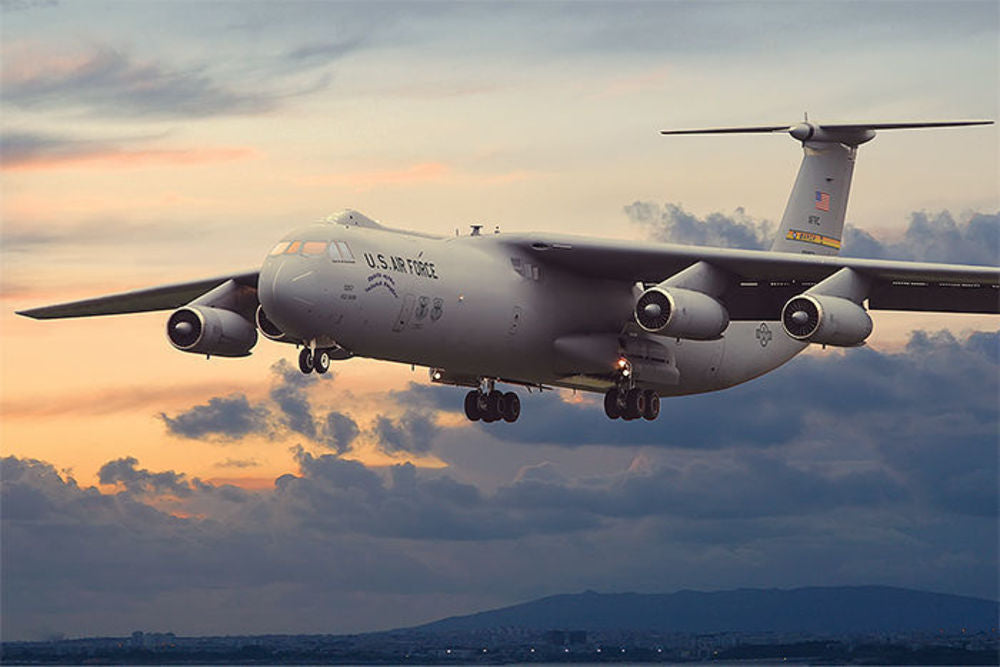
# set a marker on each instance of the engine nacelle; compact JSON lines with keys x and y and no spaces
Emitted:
{"x":269,"y":328}
{"x":683,"y":313}
{"x":211,"y":331}
{"x":829,"y":320}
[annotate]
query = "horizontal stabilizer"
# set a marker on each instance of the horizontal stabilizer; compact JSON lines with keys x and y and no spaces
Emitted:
{"x":803,"y":128}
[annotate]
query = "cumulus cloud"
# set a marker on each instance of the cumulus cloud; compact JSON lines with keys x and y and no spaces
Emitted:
{"x":888,"y":474}
{"x":413,"y":432}
{"x":934,"y":237}
{"x":339,"y":431}
{"x":672,"y":224}
{"x":223,"y":418}
{"x":929,"y":237}
{"x":140,"y":481}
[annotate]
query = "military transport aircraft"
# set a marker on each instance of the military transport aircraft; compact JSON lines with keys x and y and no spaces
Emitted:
{"x":633,"y":320}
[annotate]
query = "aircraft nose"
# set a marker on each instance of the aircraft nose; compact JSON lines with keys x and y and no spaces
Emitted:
{"x":287,"y":295}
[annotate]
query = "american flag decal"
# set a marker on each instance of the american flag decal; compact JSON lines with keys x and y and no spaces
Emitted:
{"x":822,"y":201}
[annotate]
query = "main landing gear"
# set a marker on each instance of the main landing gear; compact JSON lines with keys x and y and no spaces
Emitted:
{"x":490,"y":405}
{"x":314,"y":360}
{"x":627,"y":401}
{"x":631,"y":403}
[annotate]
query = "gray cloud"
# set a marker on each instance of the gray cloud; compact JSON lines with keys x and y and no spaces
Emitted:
{"x":240,"y":464}
{"x":110,"y":82}
{"x":888,"y":475}
{"x":228,"y":418}
{"x":671,"y":223}
{"x":928,"y":238}
{"x":339,"y":431}
{"x":140,"y":481}
{"x":934,"y":238}
{"x":413,"y":432}
{"x":23,"y":148}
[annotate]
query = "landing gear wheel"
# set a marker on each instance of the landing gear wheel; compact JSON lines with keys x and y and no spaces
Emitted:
{"x":321,"y":361}
{"x":494,"y":406}
{"x":306,"y":361}
{"x":511,"y":407}
{"x":635,"y":403}
{"x":652,"y":410}
{"x":612,"y":403}
{"x":472,"y":410}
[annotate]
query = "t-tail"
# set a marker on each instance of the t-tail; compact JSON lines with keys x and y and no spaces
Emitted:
{"x":813,"y":222}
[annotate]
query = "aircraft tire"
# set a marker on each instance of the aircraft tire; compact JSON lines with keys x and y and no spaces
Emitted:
{"x":494,"y":406}
{"x":306,"y":361}
{"x":472,"y":406}
{"x":321,"y":361}
{"x":635,"y":403}
{"x":511,"y":407}
{"x":612,"y":406}
{"x":652,"y":410}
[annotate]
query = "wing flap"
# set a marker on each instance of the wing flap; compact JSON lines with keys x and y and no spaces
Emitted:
{"x":164,"y":297}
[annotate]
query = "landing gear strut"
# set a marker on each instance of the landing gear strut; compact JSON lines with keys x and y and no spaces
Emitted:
{"x":490,"y":404}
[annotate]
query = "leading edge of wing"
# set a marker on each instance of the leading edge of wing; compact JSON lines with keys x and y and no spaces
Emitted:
{"x":654,"y":262}
{"x":163,"y":297}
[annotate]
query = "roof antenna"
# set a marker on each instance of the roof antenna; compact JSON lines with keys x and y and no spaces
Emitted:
{"x":806,"y":114}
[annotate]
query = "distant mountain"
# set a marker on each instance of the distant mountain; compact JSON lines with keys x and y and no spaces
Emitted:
{"x":837,"y":610}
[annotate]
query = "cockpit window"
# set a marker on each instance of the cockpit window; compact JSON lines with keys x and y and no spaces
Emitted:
{"x":293,"y":247}
{"x":345,"y":251}
{"x":313,"y":247}
{"x":340,"y":252}
{"x":280,"y":248}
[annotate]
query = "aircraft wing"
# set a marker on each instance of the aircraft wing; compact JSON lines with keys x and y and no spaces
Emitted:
{"x":164,"y":297}
{"x":764,"y":280}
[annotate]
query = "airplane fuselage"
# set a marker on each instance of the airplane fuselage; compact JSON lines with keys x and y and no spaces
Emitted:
{"x":475,"y":307}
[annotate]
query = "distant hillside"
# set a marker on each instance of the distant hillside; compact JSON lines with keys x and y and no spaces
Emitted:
{"x":839,"y":610}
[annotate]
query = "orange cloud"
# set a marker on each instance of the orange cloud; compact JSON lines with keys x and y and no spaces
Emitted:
{"x":109,"y":401}
{"x":120,"y":159}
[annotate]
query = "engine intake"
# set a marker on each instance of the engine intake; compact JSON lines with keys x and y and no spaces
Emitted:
{"x":829,"y":320}
{"x":269,"y":328}
{"x":684,"y":313}
{"x":212,"y":331}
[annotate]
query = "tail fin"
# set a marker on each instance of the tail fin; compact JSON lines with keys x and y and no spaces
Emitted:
{"x":813,"y":222}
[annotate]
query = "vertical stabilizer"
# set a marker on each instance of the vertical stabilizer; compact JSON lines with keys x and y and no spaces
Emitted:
{"x":813,"y":222}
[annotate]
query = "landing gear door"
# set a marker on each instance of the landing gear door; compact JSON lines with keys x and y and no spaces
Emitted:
{"x":404,"y":313}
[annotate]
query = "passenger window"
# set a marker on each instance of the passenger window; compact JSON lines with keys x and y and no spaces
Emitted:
{"x":280,"y":248}
{"x":313,"y":247}
{"x":293,"y":247}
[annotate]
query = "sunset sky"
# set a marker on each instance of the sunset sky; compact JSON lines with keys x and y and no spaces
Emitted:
{"x":152,"y":142}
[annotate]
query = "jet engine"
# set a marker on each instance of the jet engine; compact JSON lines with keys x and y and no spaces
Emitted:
{"x":679,"y":312}
{"x":269,"y":328}
{"x":829,"y":320}
{"x":212,"y":331}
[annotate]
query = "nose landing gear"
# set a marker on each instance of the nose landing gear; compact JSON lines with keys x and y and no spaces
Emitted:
{"x":314,"y":360}
{"x":490,"y":404}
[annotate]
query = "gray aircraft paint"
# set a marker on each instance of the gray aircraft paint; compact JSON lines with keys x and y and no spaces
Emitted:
{"x":558,"y":310}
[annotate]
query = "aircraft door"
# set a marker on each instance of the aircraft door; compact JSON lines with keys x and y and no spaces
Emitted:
{"x":404,"y":313}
